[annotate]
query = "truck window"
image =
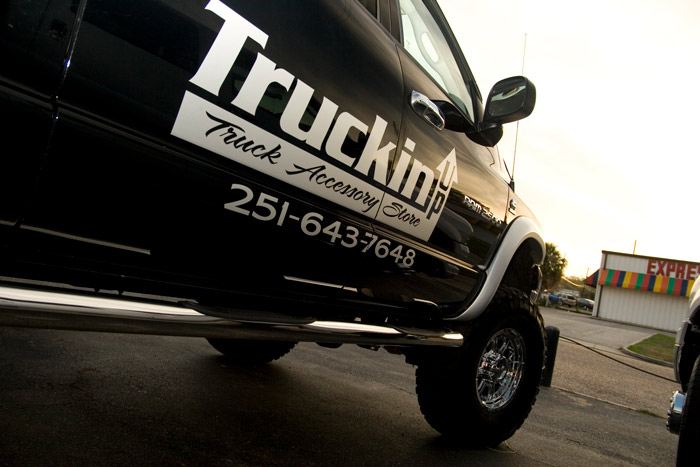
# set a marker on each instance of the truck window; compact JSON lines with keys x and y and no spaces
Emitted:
{"x":425,"y":42}
{"x":370,"y":5}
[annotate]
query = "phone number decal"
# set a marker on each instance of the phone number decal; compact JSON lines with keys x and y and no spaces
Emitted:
{"x":267,"y":208}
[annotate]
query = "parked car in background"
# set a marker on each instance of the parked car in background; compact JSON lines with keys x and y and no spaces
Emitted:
{"x":567,"y":299}
{"x":553,"y":299}
{"x":585,"y":303}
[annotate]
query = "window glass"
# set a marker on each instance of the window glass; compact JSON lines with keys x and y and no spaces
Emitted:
{"x":371,"y":6}
{"x":424,"y":41}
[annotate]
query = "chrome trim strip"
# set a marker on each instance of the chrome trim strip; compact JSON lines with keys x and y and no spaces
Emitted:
{"x":675,"y":412}
{"x":333,"y":326}
{"x":89,"y":302}
{"x":57,"y":310}
{"x":86,"y":239}
{"x":323,"y":284}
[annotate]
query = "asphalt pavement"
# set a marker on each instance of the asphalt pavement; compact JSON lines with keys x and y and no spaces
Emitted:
{"x":590,"y":361}
{"x":595,"y":332}
{"x":79,"y":398}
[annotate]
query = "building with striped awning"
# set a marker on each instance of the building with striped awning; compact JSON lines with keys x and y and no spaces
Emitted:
{"x":643,"y":290}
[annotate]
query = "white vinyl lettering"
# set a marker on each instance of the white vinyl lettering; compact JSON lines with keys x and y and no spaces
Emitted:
{"x":261,"y":76}
{"x":226,"y":47}
{"x":339,"y":132}
{"x":410,"y":197}
{"x":295,"y":110}
{"x":448,"y":176}
{"x":401,"y":166}
{"x":373,"y":154}
{"x":414,"y":178}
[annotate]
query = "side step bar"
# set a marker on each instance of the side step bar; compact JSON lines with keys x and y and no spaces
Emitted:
{"x":70,"y":311}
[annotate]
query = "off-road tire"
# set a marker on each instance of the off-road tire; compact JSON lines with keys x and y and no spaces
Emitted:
{"x":251,"y":352}
{"x":689,"y":434}
{"x":509,"y":333}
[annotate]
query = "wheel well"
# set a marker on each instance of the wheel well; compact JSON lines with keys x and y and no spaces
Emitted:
{"x":691,"y":350}
{"x":523,"y":272}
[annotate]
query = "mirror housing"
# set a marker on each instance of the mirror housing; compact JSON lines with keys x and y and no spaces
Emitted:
{"x":510,"y":99}
{"x":454,"y":121}
{"x":486,"y":134}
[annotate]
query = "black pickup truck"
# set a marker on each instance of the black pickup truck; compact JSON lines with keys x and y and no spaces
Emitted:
{"x":684,"y":410}
{"x":260,"y":173}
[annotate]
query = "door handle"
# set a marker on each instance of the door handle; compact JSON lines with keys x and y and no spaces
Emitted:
{"x":428,"y":110}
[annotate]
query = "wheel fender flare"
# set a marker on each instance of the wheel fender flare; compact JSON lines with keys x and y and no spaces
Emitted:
{"x":520,"y":230}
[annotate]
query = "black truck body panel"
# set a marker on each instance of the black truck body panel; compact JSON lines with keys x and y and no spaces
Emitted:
{"x":219,"y":152}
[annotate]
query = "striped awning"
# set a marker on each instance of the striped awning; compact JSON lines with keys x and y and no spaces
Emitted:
{"x":592,"y":280}
{"x":649,"y":282}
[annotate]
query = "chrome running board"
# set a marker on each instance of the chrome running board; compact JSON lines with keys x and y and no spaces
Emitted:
{"x":71,"y":311}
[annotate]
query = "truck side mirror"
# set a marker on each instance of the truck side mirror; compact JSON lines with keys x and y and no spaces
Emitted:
{"x":510,"y":99}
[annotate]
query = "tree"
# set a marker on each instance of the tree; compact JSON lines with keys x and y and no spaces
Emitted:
{"x":553,"y":267}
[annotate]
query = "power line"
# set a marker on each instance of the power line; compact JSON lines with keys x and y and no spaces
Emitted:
{"x":616,"y":360}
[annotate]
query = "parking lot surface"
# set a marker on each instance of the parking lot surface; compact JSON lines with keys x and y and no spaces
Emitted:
{"x":69,"y":398}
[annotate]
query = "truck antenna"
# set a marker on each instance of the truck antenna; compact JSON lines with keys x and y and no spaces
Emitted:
{"x":517,"y":124}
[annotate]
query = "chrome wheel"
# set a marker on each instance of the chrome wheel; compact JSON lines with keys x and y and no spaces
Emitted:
{"x":500,"y":369}
{"x":482,"y":392}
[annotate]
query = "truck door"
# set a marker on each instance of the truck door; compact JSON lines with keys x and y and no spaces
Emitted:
{"x":443,"y":189}
{"x":194,"y":133}
{"x":34,"y":37}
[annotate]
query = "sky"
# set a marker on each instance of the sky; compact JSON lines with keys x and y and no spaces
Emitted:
{"x":609,"y":158}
